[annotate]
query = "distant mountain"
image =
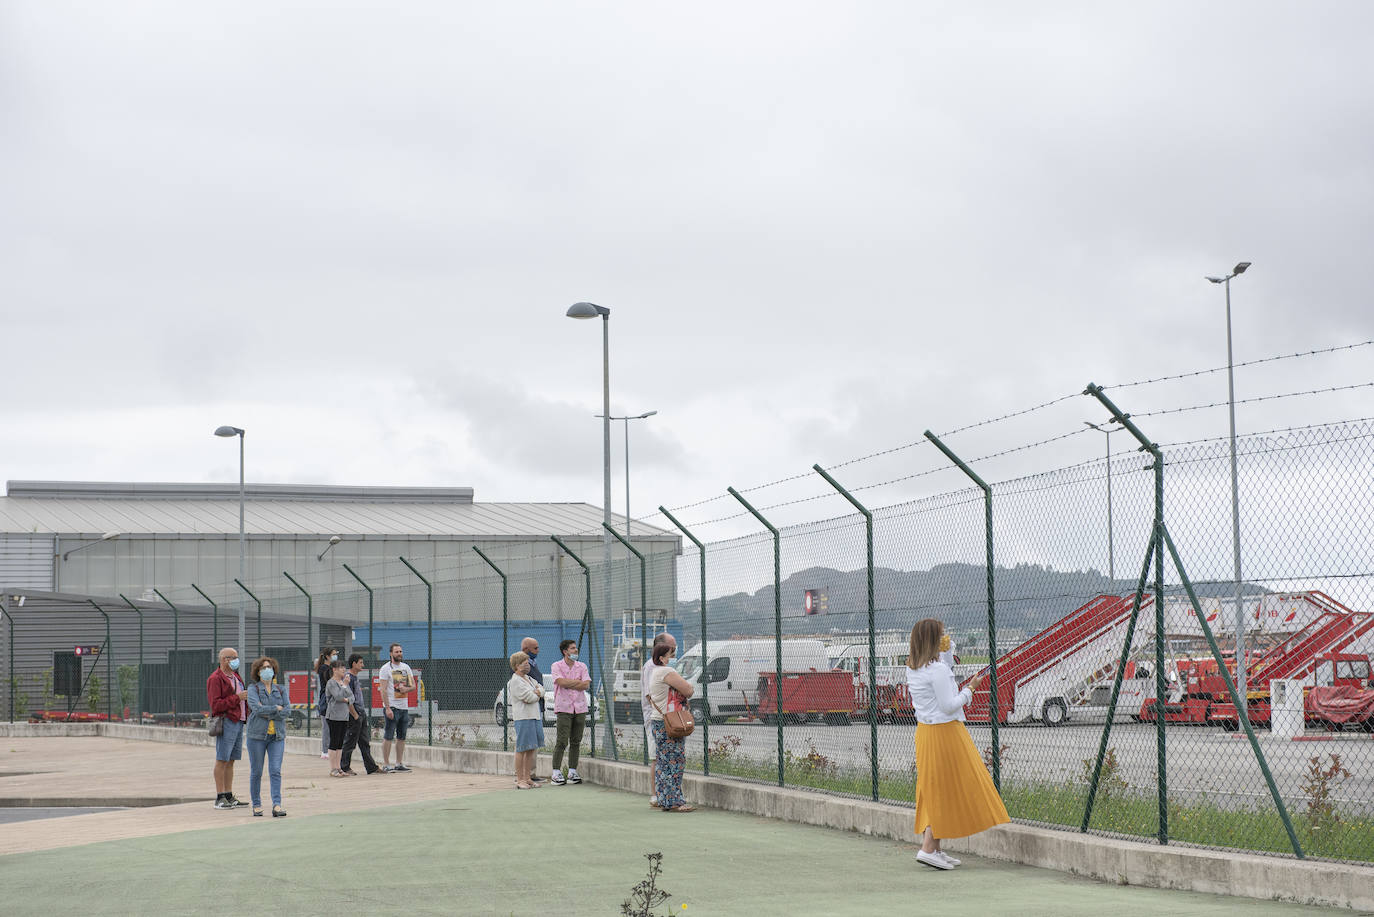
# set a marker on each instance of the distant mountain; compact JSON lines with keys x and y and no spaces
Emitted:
{"x":1029,"y":598}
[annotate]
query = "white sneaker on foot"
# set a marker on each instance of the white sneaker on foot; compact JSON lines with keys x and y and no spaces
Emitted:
{"x":953,"y":861}
{"x":558,"y":779}
{"x":933,"y":859}
{"x":574,"y":776}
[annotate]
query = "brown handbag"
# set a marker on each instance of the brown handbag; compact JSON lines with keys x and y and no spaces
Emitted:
{"x":677,"y":719}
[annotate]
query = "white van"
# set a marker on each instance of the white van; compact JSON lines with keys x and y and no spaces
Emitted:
{"x":734,"y":667}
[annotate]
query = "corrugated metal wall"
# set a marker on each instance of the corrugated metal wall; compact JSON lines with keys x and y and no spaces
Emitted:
{"x":26,"y":561}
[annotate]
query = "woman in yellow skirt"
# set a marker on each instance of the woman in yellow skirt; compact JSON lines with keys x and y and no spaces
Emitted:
{"x":955,"y":796}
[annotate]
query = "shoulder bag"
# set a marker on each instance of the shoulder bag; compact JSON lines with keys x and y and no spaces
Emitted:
{"x":677,"y":719}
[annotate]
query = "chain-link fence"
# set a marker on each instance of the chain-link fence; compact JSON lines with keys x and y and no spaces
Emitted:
{"x":1114,"y":705}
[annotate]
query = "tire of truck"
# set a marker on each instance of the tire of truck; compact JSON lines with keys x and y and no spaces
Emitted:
{"x":699,"y":711}
{"x":297,"y":720}
{"x":837,"y":719}
{"x":1055,"y":712}
{"x":500,"y":714}
{"x":1231,"y":725}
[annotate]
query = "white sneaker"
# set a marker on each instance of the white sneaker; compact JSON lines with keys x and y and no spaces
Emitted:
{"x":574,"y":776}
{"x":933,"y":859}
{"x":558,"y":779}
{"x":953,"y":861}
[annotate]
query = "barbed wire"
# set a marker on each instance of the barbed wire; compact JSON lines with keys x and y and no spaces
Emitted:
{"x":1217,"y":369}
{"x":1030,"y":410}
{"x":1255,"y":400}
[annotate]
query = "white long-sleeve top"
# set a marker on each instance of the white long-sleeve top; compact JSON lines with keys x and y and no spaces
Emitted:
{"x":935,"y":694}
{"x":524,"y":698}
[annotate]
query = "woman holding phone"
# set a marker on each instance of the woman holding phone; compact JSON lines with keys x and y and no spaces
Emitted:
{"x":955,"y":797}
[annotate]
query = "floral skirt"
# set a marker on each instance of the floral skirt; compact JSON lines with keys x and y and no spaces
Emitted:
{"x":955,"y":795}
{"x":670,"y":759}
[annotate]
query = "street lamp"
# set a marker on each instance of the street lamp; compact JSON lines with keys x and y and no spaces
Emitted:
{"x":1235,"y":484}
{"x":108,"y":536}
{"x":627,"y":420}
{"x":227,"y":431}
{"x":592,"y":310}
{"x":332,"y":541}
{"x":1111,"y":551}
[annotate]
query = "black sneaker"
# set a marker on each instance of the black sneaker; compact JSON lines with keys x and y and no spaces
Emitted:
{"x":400,"y":769}
{"x":222,"y":803}
{"x":233,"y":803}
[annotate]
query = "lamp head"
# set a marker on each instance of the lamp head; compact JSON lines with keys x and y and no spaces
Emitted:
{"x":587,"y":310}
{"x":1217,"y":279}
{"x":228,"y":431}
{"x":1240,"y":268}
{"x":647,"y":414}
{"x":335,"y":539}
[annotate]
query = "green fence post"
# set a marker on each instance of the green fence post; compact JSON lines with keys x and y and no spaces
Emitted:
{"x":994,"y":709}
{"x":429,"y":649}
{"x":591,"y":628}
{"x":872,"y":645}
{"x":107,"y":651}
{"x":705,"y":682}
{"x":777,"y":614}
{"x":1147,"y":445}
{"x":13,"y":679}
{"x":176,"y":621}
{"x":214,"y":618}
{"x":370,"y":641}
{"x":259,"y":604}
{"x":505,"y":647}
{"x":643,"y":605}
{"x":309,"y":639}
{"x":139,"y":692}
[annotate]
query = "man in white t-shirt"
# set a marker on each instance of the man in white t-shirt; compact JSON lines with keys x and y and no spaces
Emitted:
{"x":398,"y":686}
{"x":645,"y":674}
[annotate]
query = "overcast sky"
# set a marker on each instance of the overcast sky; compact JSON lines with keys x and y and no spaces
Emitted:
{"x":354,"y":229}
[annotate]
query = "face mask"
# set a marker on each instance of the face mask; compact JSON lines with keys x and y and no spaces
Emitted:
{"x":533,"y":656}
{"x":266,"y":673}
{"x":572,"y":657}
{"x":334,"y":658}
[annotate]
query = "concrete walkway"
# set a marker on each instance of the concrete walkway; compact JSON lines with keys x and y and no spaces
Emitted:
{"x":470,"y":844}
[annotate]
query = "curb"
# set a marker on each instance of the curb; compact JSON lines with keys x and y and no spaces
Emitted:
{"x":1220,"y":872}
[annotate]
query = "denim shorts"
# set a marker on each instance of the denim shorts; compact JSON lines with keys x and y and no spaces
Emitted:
{"x":396,"y":724}
{"x":229,"y":744}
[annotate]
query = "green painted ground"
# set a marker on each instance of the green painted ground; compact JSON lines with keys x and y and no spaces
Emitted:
{"x":564,"y":851}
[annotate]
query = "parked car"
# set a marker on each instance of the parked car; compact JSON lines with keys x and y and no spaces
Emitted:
{"x":498,"y":709}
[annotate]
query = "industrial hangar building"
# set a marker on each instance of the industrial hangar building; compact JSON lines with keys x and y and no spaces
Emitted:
{"x":77,"y":558}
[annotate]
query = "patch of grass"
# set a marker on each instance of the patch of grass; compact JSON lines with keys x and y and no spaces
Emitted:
{"x":1120,"y":811}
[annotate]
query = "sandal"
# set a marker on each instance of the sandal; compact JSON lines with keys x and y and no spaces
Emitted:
{"x":257,"y":811}
{"x":682,"y":808}
{"x":336,"y":773}
{"x":524,"y":786}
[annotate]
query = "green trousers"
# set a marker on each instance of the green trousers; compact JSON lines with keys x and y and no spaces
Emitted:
{"x":570,"y":726}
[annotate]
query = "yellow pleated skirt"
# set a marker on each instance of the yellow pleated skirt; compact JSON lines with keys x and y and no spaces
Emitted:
{"x":955,"y":795}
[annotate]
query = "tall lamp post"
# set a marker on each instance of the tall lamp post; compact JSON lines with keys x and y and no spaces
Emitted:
{"x":1111,"y":550}
{"x":227,"y":431}
{"x":1235,"y":485}
{"x":592,"y":310}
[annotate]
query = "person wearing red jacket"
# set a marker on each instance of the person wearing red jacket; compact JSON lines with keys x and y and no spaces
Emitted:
{"x":225,"y":691}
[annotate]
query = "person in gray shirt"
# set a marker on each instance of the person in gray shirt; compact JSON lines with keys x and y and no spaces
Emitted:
{"x":338,"y":714}
{"x":359,"y":729}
